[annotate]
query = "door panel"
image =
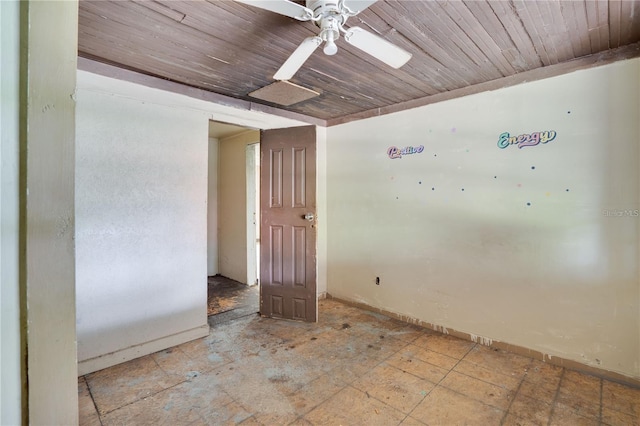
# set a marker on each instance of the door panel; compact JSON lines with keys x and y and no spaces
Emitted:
{"x":288,"y":250}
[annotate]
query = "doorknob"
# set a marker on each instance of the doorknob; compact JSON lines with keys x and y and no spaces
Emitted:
{"x":309,"y":217}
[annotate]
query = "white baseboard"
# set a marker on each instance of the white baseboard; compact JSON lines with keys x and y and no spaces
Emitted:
{"x":107,"y":360}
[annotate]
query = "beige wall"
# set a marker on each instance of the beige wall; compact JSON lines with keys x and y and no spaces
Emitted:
{"x":141,"y":221}
{"x":47,"y":270}
{"x":232,"y":205}
{"x":143,"y":206}
{"x":536,"y":247}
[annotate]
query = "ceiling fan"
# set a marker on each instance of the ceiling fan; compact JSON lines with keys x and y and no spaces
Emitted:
{"x":330,"y":16}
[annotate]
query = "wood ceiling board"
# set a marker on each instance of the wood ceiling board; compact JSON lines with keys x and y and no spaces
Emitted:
{"x":614,"y":23}
{"x":487,"y":18}
{"x":158,"y":40}
{"x":451,"y":48}
{"x":162,"y":9}
{"x":485,"y":15}
{"x":351,"y":62}
{"x":353,"y":76}
{"x":479,"y":35}
{"x":598,"y":24}
{"x":465,"y":42}
{"x":629,"y":28}
{"x":557,"y":35}
{"x":338,"y":63}
{"x":510,"y":20}
{"x":534,"y":23}
{"x":420,"y":71}
{"x":426,"y":42}
{"x":214,"y":101}
{"x":575,"y":14}
{"x":178,"y":68}
{"x":232,"y":49}
{"x":186,"y":51}
{"x":262,"y":34}
{"x":239,"y":48}
{"x":622,"y":53}
{"x":635,"y":26}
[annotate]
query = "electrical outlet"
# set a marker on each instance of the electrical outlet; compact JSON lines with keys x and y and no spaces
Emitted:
{"x":377,"y":280}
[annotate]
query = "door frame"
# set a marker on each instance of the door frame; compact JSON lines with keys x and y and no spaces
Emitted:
{"x":253,"y":212}
{"x":321,"y":196}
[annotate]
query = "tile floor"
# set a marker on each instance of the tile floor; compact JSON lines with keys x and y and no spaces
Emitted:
{"x":352,"y":368}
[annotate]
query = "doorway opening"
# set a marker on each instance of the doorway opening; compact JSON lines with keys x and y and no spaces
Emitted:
{"x":283,"y":253}
{"x":233,"y":222}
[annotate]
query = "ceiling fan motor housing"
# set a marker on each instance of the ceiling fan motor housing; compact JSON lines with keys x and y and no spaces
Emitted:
{"x":328,"y":15}
{"x":322,"y":8}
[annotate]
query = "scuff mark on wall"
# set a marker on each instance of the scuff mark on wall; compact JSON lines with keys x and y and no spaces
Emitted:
{"x":63,"y":225}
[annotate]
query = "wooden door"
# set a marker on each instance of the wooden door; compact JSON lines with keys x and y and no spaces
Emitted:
{"x":287,"y":231}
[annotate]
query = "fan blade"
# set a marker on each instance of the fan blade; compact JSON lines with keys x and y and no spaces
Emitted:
{"x":297,"y":58}
{"x":377,"y":47}
{"x":357,"y":6}
{"x":283,"y":7}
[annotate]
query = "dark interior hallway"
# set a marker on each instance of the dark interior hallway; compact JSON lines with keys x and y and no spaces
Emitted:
{"x":228,"y":299}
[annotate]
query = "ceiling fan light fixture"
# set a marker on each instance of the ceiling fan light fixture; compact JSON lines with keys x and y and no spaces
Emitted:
{"x":330,"y":47}
{"x":330,"y":33}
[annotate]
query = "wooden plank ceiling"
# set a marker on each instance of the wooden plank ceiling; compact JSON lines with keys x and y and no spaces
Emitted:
{"x":232,"y":49}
